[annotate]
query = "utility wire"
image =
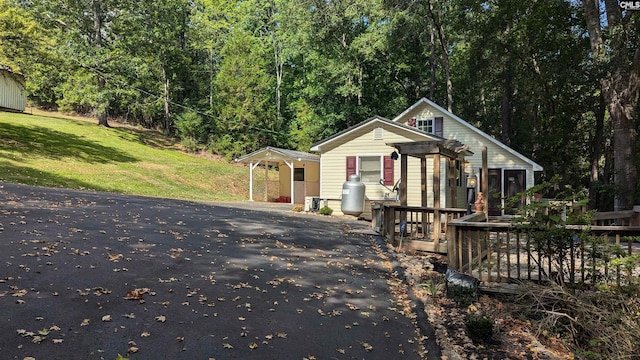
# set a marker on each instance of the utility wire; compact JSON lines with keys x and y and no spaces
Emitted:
{"x":111,"y":78}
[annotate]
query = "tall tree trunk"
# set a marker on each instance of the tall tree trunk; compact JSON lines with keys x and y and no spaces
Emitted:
{"x":444,"y":45}
{"x":166,"y":100}
{"x":507,"y":105}
{"x":596,"y":154}
{"x":279,"y":62}
{"x":432,"y":62}
{"x":620,"y":88}
{"x":96,"y":8}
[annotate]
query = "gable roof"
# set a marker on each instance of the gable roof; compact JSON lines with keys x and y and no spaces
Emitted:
{"x":372,"y":120}
{"x":536,"y":166}
{"x":274,"y":153}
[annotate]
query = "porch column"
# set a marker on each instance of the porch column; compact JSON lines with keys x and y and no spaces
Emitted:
{"x":403,"y":179}
{"x":453,"y":184}
{"x":251,"y":167}
{"x":436,"y":200}
{"x":266,"y":182}
{"x":423,"y":195}
{"x":290,"y":165}
{"x":485,"y":182}
{"x":436,"y":180}
{"x":423,"y":181}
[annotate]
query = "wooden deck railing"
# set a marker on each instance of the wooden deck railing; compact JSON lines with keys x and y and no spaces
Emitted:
{"x":415,"y":227}
{"x":499,"y":251}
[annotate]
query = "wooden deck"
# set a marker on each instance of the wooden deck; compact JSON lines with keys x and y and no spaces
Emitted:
{"x":415,"y":227}
{"x":498,"y":250}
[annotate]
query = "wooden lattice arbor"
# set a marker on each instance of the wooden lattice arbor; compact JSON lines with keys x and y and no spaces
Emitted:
{"x":451,"y":150}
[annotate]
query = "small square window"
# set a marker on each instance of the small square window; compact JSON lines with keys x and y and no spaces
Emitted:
{"x":425,"y":125}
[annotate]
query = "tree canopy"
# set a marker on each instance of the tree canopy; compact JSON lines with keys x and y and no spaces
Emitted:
{"x":556,"y":80}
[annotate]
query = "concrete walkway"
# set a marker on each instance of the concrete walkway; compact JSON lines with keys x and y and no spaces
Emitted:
{"x":87,"y":275}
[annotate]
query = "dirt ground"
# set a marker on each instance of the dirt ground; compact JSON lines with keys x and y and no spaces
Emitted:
{"x":513,"y":337}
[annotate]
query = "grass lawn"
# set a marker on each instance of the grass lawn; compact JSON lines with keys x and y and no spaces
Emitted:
{"x":48,"y":149}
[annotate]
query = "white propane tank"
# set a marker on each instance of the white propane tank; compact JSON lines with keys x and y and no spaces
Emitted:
{"x":353,"y":196}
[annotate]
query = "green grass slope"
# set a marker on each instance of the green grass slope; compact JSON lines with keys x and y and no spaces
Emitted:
{"x":57,"y":151}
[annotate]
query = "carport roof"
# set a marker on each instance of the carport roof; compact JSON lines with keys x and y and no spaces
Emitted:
{"x":271,"y":153}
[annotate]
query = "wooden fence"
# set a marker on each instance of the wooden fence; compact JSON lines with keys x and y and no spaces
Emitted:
{"x":415,"y":227}
{"x":501,"y":251}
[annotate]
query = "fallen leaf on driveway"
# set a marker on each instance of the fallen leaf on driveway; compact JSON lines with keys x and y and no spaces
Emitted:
{"x":115,"y":257}
{"x":161,"y":318}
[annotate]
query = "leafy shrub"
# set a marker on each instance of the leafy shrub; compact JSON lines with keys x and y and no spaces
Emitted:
{"x":190,"y":144}
{"x":189,"y":126}
{"x":325,"y":210}
{"x":225,"y":145}
{"x":480,"y":328}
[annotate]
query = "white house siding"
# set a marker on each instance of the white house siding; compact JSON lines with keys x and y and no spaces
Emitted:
{"x":497,"y":156}
{"x":362,"y":143}
{"x":13,"y":94}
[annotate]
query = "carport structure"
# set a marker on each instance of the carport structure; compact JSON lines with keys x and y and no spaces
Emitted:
{"x":298,"y":173}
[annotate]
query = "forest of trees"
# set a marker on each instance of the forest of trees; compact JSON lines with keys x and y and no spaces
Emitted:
{"x":557,"y":80}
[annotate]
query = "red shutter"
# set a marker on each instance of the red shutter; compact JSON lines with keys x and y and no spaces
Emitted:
{"x":437,"y":126}
{"x":351,"y":166}
{"x":389,"y":165}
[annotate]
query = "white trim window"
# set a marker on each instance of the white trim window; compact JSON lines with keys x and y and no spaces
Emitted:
{"x":425,"y":125}
{"x":370,"y":169}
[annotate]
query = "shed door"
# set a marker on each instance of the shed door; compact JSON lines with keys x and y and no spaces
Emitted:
{"x":298,"y":186}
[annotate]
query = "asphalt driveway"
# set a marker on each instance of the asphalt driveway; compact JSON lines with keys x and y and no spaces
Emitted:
{"x":87,"y":275}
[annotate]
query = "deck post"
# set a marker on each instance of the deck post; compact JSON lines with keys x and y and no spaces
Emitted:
{"x":485,"y":181}
{"x":424,"y":198}
{"x":452,"y":247}
{"x":436,"y":198}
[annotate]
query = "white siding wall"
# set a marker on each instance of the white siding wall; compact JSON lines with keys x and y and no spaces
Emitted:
{"x":13,"y":94}
{"x":497,"y":156}
{"x":362,"y":143}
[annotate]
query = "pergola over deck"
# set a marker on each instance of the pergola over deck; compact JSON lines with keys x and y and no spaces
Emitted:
{"x":451,"y":150}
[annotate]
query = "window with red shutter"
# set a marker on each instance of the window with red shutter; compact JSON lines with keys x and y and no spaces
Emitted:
{"x":351,"y":166}
{"x":389,"y":165}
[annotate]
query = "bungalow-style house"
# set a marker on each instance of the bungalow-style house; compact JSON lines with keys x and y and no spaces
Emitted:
{"x":13,"y":92}
{"x":369,"y":150}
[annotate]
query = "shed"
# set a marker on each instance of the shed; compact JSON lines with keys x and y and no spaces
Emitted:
{"x":13,"y":92}
{"x":298,"y":173}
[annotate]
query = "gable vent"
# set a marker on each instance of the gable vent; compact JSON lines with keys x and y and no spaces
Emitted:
{"x":378,"y":133}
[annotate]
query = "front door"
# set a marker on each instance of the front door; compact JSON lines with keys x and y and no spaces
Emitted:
{"x":514,"y":184}
{"x":494,"y":197}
